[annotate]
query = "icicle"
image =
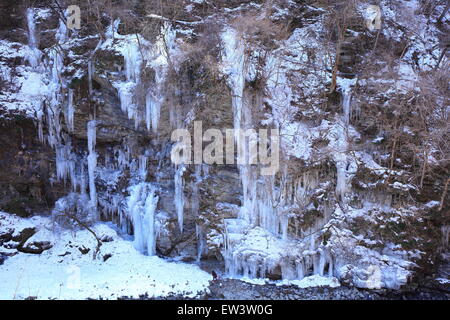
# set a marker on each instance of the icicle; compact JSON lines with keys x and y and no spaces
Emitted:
{"x":53,"y":95}
{"x":83,"y":179}
{"x":57,"y":57}
{"x":346,"y":91}
{"x":287,"y":271}
{"x":32,"y":42}
{"x":266,"y":208}
{"x":92,"y":161}
{"x":62,"y":162}
{"x":142,"y":204}
{"x":234,"y":59}
{"x":39,"y":114}
{"x":167,"y":41}
{"x":56,"y":67}
{"x":54,"y":127}
{"x":162,"y":49}
{"x":322,"y":262}
{"x":258,"y":194}
{"x":249,"y":184}
{"x":152,"y":112}
{"x":122,"y":159}
{"x":91,"y":133}
{"x":61,"y":34}
{"x":150,"y":207}
{"x":127,"y":90}
{"x":330,"y":267}
{"x":179,"y":196}
{"x":143,"y":166}
{"x":70,"y":112}
{"x":312,"y":241}
{"x":126,"y":93}
{"x":300,"y":269}
{"x":35,"y":54}
{"x":341,"y":183}
{"x":200,"y":243}
{"x":66,"y":167}
{"x":148,"y":111}
{"x":133,"y":61}
{"x":284,"y":226}
{"x":268,"y":216}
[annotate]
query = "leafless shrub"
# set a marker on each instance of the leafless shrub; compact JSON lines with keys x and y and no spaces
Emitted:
{"x":74,"y":211}
{"x":257,"y":28}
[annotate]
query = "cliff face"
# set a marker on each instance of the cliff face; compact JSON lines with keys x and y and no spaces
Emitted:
{"x":361,"y":192}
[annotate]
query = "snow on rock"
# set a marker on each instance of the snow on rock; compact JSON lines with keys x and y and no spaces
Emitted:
{"x":313,"y":281}
{"x":25,"y":86}
{"x":13,"y":224}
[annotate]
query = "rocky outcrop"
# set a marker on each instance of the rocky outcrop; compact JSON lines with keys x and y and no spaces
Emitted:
{"x":27,"y":167}
{"x":347,"y":201}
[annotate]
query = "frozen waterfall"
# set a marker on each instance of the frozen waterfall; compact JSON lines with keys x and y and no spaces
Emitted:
{"x":258,"y":242}
{"x":92,"y":160}
{"x":142,"y":204}
{"x":179,"y":195}
{"x":35,"y":54}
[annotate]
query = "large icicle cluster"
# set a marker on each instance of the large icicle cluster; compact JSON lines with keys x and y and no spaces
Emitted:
{"x":54,"y":99}
{"x":258,"y":214}
{"x":92,"y":160}
{"x":234,"y":60}
{"x":35,"y":54}
{"x":179,"y":196}
{"x":142,"y":204}
{"x":139,"y":53}
{"x":258,"y":242}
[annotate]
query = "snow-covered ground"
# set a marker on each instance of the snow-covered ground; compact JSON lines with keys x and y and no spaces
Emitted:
{"x":64,"y":272}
